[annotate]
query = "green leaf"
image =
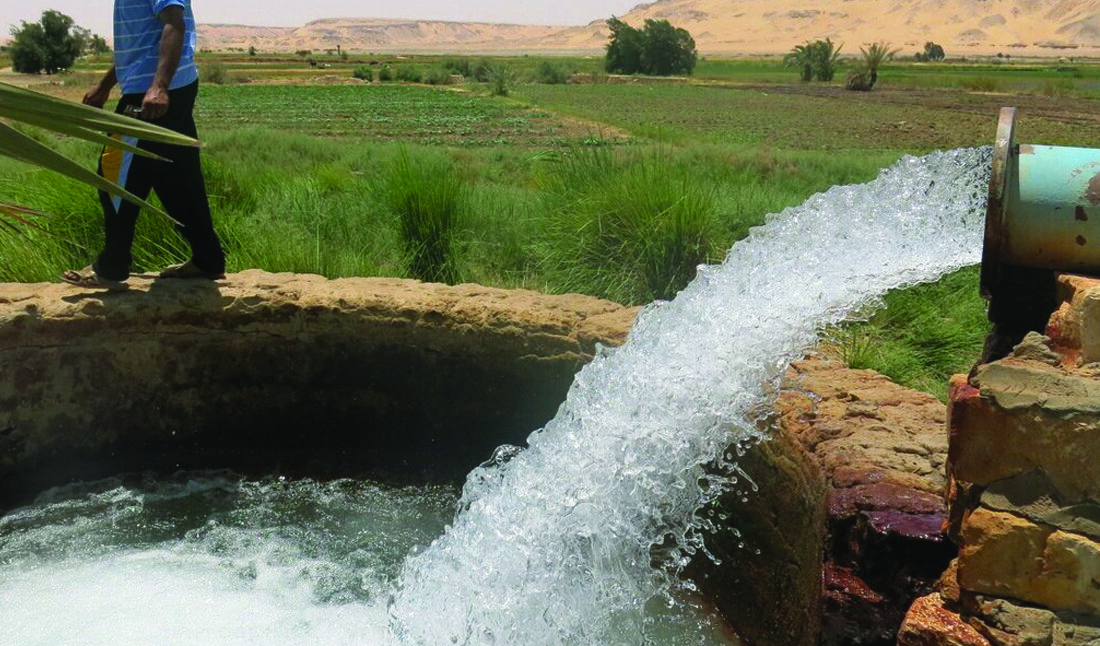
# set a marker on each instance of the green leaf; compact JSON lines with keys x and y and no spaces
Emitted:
{"x":16,"y":145}
{"x":17,"y":103}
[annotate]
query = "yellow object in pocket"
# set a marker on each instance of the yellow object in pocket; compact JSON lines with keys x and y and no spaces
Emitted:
{"x":110,"y":161}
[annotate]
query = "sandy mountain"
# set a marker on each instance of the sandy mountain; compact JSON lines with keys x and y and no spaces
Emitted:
{"x":1016,"y":27}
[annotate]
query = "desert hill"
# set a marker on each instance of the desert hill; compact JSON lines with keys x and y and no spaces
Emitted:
{"x":1016,"y":27}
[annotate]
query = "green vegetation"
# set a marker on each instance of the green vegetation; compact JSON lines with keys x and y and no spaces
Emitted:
{"x":618,"y":187}
{"x":864,"y":77}
{"x":658,"y":49}
{"x":50,"y":45}
{"x":814,"y":60}
{"x":923,"y":335}
{"x":428,"y":199}
{"x":932,"y":53}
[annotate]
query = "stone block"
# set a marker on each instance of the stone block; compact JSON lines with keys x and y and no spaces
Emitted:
{"x":1001,"y":553}
{"x":1023,"y":417}
{"x":930,"y":623}
{"x":1075,"y":327}
{"x":1006,"y":555}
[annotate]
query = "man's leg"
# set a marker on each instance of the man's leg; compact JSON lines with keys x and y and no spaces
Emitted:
{"x":135,"y":174}
{"x":181,"y":187}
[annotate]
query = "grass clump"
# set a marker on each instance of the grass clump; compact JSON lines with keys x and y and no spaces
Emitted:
{"x":550,"y":73}
{"x":363,"y":73}
{"x":924,"y":335}
{"x":982,"y":84}
{"x":630,"y":229}
{"x":438,"y":76}
{"x":428,"y":199}
{"x":408,"y":74}
{"x":215,"y":72}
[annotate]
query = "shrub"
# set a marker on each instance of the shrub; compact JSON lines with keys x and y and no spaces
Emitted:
{"x":215,"y":72}
{"x":438,"y":76}
{"x":630,"y":230}
{"x":482,"y":71}
{"x":981,"y":84}
{"x":427,"y":197}
{"x":363,"y":73}
{"x":461,"y":66}
{"x":932,"y":53}
{"x":551,"y":74}
{"x":501,"y":79}
{"x":409,"y":74}
{"x":864,"y":78}
{"x":52,"y":44}
{"x":385,"y":74}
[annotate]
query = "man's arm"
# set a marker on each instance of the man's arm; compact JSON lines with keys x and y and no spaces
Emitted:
{"x":97,"y":96}
{"x":155,"y":103}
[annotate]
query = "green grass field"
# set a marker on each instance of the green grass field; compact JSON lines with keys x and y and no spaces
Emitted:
{"x":408,"y":113}
{"x":561,"y":187}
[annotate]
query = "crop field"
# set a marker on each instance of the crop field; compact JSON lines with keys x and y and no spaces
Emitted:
{"x":415,"y":114}
{"x":820,"y":117}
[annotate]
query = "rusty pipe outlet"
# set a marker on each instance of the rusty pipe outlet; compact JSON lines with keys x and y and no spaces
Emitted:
{"x":1043,"y":210}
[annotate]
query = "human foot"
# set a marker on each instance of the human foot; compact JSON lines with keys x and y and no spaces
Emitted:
{"x":88,"y":278}
{"x":189,"y":270}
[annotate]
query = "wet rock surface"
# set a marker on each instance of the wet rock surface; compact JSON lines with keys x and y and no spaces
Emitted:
{"x":882,"y":449}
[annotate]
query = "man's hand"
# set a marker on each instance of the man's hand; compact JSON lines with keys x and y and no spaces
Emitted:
{"x":97,"y":96}
{"x":155,"y":103}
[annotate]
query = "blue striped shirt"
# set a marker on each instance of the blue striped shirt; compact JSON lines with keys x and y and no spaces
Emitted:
{"x":137,"y":44}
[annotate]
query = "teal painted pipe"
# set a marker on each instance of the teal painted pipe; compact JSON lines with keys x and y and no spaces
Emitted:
{"x":1044,"y":207}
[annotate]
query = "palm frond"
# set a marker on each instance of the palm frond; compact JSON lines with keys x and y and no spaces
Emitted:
{"x":75,"y":120}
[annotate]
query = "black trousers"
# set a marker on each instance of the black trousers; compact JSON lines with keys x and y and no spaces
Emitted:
{"x":179,"y":185}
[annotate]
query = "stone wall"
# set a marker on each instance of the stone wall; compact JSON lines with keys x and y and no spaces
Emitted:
{"x":1024,"y":493}
{"x":286,"y":373}
{"x":882,"y":450}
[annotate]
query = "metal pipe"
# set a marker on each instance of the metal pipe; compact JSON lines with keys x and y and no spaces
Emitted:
{"x":1044,"y":207}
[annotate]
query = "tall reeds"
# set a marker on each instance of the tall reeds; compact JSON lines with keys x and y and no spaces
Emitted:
{"x":427,"y":197}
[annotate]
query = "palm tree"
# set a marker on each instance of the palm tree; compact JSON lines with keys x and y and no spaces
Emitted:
{"x":801,"y":57}
{"x":864,"y":78}
{"x":815,"y":59}
{"x":74,"y":120}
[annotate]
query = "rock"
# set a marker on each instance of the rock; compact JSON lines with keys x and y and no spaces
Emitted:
{"x":882,"y":448}
{"x":1008,"y":556}
{"x":1075,"y":327}
{"x":1036,"y":347}
{"x":279,"y":370}
{"x":993,"y":428}
{"x":768,"y":584}
{"x":864,"y":428}
{"x":929,"y":623}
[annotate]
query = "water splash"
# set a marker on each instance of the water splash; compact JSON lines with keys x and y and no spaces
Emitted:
{"x":556,"y":548}
{"x":553,"y":544}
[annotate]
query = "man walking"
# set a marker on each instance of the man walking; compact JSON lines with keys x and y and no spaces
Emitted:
{"x":154,"y":43}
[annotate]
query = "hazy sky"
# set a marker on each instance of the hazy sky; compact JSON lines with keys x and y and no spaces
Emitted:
{"x":96,"y":14}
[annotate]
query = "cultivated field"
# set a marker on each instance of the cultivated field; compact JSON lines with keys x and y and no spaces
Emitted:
{"x":616,"y":187}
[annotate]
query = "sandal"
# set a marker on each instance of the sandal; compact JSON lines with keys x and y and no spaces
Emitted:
{"x":189,"y":270}
{"x":89,"y":279}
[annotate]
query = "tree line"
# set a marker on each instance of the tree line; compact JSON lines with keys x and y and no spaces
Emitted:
{"x":657,"y":49}
{"x":52,"y":44}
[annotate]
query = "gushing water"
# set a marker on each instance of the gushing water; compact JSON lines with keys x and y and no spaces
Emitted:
{"x":553,"y":544}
